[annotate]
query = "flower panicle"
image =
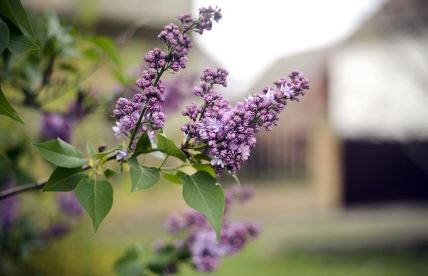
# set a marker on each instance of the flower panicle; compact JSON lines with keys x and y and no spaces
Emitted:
{"x":200,"y":239}
{"x":230,"y":131}
{"x":151,"y":94}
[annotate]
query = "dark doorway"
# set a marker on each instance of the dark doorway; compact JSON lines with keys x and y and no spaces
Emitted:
{"x":385,"y":172}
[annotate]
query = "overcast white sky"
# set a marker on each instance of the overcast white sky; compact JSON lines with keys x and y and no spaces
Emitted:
{"x":253,"y":34}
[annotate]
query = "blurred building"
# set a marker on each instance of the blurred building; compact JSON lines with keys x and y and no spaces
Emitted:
{"x":361,"y":134}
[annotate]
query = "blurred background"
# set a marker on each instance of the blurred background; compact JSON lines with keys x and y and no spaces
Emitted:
{"x":341,"y":184}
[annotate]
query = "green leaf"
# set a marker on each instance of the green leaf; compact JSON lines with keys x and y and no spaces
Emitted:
{"x":91,"y":54}
{"x":200,"y":157}
{"x":206,"y":168}
{"x":168,"y":146}
{"x":144,"y":145}
{"x":130,"y":263}
{"x":109,"y":173}
{"x":201,"y":192}
{"x":172,"y":178}
{"x":4,"y":36}
{"x":142,"y":177}
{"x":108,"y":46}
{"x":19,"y":44}
{"x":90,"y":149}
{"x":61,"y":153}
{"x":96,"y":197}
{"x":165,"y":256}
{"x":6,"y":109}
{"x":64,"y":180}
{"x":14,"y":10}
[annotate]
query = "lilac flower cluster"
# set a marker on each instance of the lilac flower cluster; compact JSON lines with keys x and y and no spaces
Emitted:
{"x":200,"y":239}
{"x":179,"y":43}
{"x":151,"y":95}
{"x":55,"y":125}
{"x":205,"y":21}
{"x":230,"y":132}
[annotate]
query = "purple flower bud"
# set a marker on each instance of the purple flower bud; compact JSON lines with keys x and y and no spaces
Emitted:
{"x":69,"y":204}
{"x":55,"y":231}
{"x":175,"y":223}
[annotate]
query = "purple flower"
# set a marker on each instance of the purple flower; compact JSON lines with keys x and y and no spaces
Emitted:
{"x":205,"y":250}
{"x":54,"y":125}
{"x":233,"y":237}
{"x":199,"y":239}
{"x":155,"y":58}
{"x":60,"y":125}
{"x":56,"y":230}
{"x":230,"y":132}
{"x":175,"y":223}
{"x":206,"y":15}
{"x":8,"y":212}
{"x":195,"y":219}
{"x":179,"y":43}
{"x":215,"y":76}
{"x":121,"y":155}
{"x":152,"y":94}
{"x":69,"y":204}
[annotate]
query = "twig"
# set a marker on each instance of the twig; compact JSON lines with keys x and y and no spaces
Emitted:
{"x":23,"y":188}
{"x":36,"y":185}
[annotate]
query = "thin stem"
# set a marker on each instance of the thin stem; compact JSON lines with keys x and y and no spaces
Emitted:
{"x":163,"y":69}
{"x":23,"y":188}
{"x":36,"y":185}
{"x":137,"y":126}
{"x":236,"y":179}
{"x":163,"y":162}
{"x":174,"y":168}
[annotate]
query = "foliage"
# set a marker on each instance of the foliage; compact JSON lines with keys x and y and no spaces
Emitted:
{"x":42,"y":62}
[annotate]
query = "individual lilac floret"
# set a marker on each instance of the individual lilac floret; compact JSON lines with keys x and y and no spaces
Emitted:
{"x":121,"y":155}
{"x":237,"y":194}
{"x":69,"y":204}
{"x":230,"y":132}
